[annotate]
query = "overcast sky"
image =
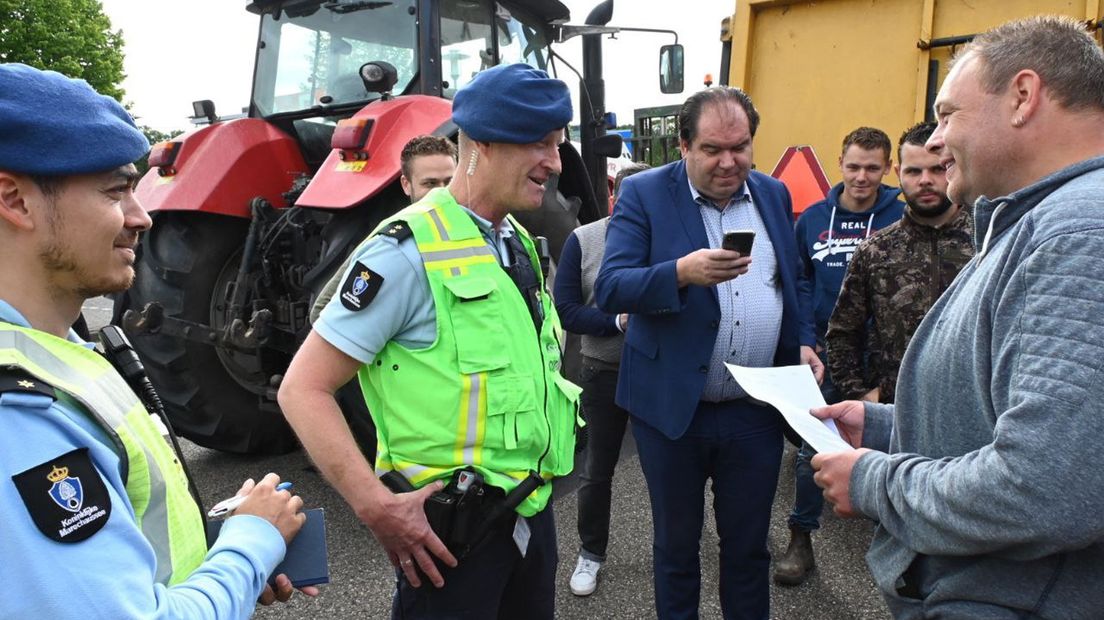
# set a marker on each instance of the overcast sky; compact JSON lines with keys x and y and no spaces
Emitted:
{"x":179,"y":52}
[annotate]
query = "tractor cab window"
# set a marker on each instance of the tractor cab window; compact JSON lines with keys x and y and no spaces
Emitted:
{"x":312,"y":57}
{"x":520,"y":42}
{"x":467,"y":46}
{"x":470,"y":44}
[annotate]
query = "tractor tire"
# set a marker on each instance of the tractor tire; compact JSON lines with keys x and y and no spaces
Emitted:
{"x":210,"y":394}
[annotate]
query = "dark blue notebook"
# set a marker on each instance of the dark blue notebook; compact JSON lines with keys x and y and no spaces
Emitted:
{"x":306,"y":562}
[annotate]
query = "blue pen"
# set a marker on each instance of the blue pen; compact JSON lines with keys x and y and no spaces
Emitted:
{"x":230,"y":504}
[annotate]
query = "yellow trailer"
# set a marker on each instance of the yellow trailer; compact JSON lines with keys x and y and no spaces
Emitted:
{"x":817,"y":70}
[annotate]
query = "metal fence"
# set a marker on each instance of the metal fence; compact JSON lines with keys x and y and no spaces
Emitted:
{"x":655,"y":135}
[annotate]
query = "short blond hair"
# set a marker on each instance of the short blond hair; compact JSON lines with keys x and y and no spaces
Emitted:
{"x":1058,"y":48}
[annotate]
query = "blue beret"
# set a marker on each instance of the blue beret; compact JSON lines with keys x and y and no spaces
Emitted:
{"x":516,"y":104}
{"x":54,"y":125}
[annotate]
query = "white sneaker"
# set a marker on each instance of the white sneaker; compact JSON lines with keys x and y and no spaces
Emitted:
{"x":585,"y":578}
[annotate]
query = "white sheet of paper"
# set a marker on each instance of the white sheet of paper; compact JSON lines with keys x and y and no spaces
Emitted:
{"x":793,"y":391}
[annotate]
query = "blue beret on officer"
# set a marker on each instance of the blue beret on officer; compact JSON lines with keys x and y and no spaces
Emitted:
{"x":53,"y":125}
{"x":515,"y":104}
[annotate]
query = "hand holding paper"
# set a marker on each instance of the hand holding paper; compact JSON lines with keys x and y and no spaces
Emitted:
{"x":849,"y":417}
{"x":793,"y":391}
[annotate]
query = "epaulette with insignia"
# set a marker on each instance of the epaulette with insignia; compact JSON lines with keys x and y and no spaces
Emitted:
{"x":398,"y":231}
{"x":14,"y":379}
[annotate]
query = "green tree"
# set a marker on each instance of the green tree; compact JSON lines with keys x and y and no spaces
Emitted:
{"x":72,"y":37}
{"x":154,"y":136}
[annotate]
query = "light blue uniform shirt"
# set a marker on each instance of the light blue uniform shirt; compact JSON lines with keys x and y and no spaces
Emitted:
{"x":403,"y":308}
{"x":111,"y":574}
{"x":751,"y":305}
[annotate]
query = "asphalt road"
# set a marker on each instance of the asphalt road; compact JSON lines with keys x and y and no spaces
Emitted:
{"x":362,"y":580}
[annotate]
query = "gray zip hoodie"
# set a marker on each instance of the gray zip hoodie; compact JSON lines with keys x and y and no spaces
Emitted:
{"x":991,"y":495}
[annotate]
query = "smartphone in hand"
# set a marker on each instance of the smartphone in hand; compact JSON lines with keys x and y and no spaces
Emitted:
{"x":739,"y":241}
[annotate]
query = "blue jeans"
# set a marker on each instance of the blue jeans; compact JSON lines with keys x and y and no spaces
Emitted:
{"x":738,"y":445}
{"x":808,"y":497}
{"x":605,"y":431}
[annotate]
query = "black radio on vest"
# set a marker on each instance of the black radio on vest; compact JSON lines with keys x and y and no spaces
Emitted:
{"x":525,"y":278}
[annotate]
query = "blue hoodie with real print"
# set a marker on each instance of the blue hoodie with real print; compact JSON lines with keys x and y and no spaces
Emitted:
{"x":827,"y":235}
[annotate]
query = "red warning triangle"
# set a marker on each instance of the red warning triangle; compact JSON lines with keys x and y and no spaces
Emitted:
{"x":800,"y":170}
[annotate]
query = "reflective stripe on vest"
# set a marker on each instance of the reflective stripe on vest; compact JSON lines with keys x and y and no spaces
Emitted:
{"x":155,"y":482}
{"x":487,"y":392}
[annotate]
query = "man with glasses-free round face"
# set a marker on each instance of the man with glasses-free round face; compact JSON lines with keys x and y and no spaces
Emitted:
{"x":983,"y":477}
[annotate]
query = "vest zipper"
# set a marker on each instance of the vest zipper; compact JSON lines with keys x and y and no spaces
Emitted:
{"x":547,"y":422}
{"x":540,"y":346}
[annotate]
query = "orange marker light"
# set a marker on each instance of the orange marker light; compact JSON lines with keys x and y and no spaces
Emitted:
{"x":163,"y":155}
{"x":351,"y":134}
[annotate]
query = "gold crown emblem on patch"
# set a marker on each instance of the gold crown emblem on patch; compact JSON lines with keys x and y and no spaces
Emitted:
{"x":365,"y":275}
{"x":58,"y":474}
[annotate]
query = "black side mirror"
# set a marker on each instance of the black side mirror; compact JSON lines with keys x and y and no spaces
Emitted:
{"x":608,"y":145}
{"x":204,"y":109}
{"x":670,"y":69}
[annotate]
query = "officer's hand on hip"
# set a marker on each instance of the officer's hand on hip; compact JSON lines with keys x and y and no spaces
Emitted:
{"x":280,"y":508}
{"x":399,"y":523}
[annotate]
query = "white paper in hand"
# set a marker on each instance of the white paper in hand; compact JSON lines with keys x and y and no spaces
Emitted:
{"x":793,"y":391}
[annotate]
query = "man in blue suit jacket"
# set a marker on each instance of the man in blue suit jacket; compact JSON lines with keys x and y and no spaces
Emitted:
{"x":695,"y":306}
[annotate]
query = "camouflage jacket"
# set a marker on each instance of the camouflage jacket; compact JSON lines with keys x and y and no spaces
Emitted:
{"x":893,"y":279}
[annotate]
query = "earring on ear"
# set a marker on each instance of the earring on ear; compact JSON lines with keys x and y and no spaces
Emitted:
{"x":1018,"y":121}
{"x":472,"y":161}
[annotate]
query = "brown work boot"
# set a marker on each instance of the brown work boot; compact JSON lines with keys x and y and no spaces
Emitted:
{"x":794,"y":566}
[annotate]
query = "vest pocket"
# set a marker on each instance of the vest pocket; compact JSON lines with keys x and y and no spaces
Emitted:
{"x":512,"y":411}
{"x":476,"y":318}
{"x":563,"y":414}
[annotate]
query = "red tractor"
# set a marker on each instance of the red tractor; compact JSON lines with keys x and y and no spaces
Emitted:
{"x":251,"y":216}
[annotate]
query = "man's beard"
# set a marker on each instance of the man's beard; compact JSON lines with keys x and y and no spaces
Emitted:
{"x":926,"y":212}
{"x":58,"y":261}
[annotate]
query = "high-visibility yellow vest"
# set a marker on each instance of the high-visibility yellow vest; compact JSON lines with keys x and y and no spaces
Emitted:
{"x":488,"y":392}
{"x":155,"y":481}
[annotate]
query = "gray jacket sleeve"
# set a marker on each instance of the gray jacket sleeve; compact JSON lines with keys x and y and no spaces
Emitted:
{"x":1035,"y":490}
{"x":877,"y":426}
